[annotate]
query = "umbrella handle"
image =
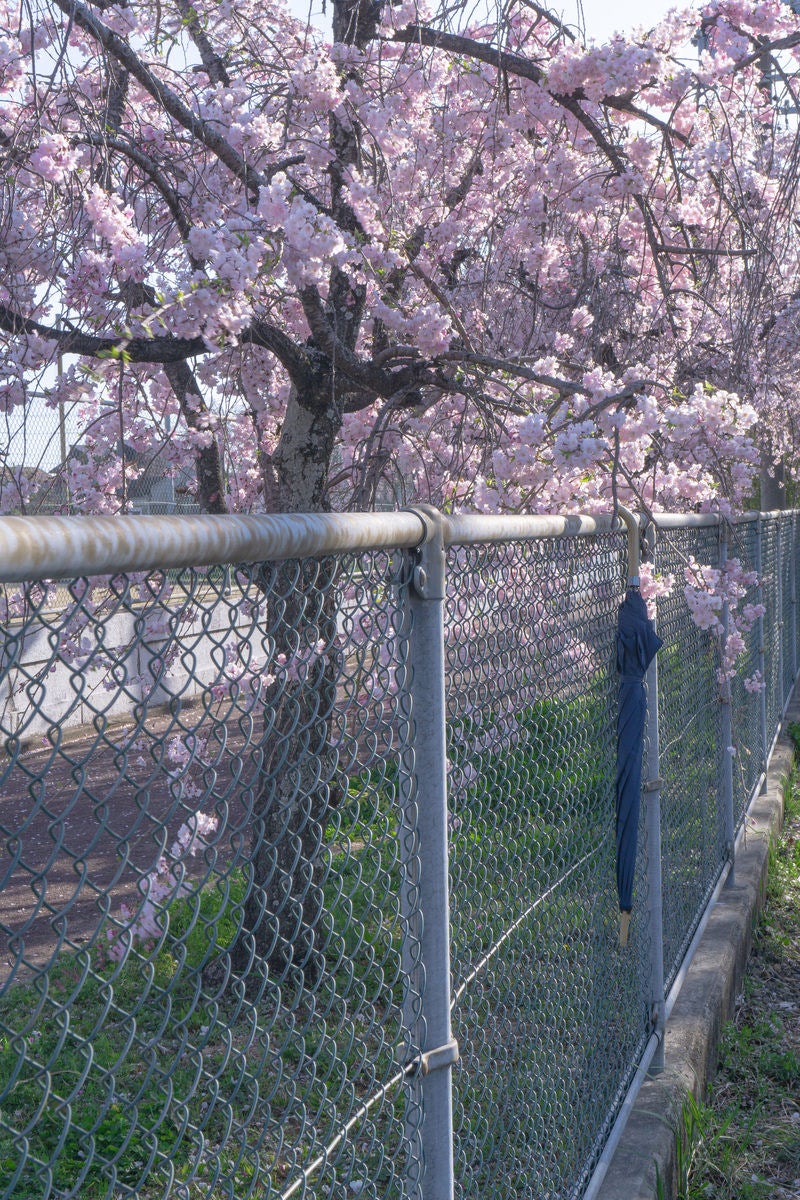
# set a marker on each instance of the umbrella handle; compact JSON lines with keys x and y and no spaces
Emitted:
{"x":624,"y":926}
{"x":634,"y":552}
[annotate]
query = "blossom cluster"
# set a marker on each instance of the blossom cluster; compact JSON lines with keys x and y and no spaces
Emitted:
{"x":714,"y":597}
{"x":540,"y":296}
{"x":145,"y":923}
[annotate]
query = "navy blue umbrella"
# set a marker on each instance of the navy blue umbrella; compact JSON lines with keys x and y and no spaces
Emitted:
{"x":637,"y":644}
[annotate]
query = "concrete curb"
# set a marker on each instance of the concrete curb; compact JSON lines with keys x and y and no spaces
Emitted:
{"x":647,"y":1151}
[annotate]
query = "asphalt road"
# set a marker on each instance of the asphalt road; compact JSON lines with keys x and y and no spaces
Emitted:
{"x":80,"y":828}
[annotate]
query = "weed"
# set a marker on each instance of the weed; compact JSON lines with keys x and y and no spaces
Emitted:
{"x":750,"y":1145}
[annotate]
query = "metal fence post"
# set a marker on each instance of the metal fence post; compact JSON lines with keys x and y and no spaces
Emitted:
{"x":726,"y":723}
{"x":438,"y":1050}
{"x":762,"y":695}
{"x":655,"y":913}
{"x":408,"y":855}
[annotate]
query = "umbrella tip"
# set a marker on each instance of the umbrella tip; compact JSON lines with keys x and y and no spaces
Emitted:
{"x":624,"y":926}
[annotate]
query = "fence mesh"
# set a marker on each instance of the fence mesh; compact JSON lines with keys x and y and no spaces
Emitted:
{"x":692,"y":837}
{"x":745,"y":700}
{"x":787,"y":601}
{"x":211,"y":979}
{"x":547,"y":1021}
{"x":773,"y":657}
{"x":203,"y":977}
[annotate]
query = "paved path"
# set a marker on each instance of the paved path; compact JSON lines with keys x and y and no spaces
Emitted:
{"x":79,"y":829}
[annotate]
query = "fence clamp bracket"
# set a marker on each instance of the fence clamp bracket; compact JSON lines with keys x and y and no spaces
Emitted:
{"x":442,"y":1056}
{"x":428,"y":578}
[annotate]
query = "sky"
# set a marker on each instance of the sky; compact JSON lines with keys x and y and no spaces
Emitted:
{"x":601,"y":17}
{"x":604,"y":17}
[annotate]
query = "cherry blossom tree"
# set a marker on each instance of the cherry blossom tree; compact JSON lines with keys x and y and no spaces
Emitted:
{"x":464,"y":259}
{"x":485,"y":265}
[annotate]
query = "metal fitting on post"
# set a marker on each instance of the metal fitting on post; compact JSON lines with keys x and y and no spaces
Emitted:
{"x":442,"y":1056}
{"x":429,"y":571}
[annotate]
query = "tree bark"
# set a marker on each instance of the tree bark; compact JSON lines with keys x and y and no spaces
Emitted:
{"x":773,"y":484}
{"x":282,"y":936}
{"x":296,"y":473}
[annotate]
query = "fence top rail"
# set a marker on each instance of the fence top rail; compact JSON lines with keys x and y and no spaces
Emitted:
{"x":52,"y":547}
{"x":34,"y":548}
{"x":470,"y":528}
{"x":706,"y":520}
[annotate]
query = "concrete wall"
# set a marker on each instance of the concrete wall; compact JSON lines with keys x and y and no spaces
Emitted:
{"x":118,"y":666}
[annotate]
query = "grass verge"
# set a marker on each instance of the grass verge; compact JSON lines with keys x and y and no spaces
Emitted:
{"x":745,"y":1140}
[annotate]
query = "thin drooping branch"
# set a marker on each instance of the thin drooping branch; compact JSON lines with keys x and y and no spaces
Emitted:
{"x":652,"y":233}
{"x":154,"y":173}
{"x":208,"y":462}
{"x":559,"y":27}
{"x":706,"y":251}
{"x":205,"y":131}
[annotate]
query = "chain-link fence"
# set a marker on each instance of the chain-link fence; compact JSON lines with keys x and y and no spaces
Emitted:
{"x":235,"y":795}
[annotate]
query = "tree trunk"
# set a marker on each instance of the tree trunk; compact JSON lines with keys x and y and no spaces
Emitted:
{"x":773,"y":484}
{"x":296,"y":474}
{"x":281,"y":936}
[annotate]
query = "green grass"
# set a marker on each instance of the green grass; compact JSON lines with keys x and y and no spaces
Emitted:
{"x":128,"y":1079}
{"x":744,"y":1142}
{"x":125,"y":1079}
{"x":112,"y":1058}
{"x":547,"y":1026}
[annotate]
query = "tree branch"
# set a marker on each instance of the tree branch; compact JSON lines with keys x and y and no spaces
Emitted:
{"x":785,"y":43}
{"x":71,"y":341}
{"x":295,"y":358}
{"x":563,"y":386}
{"x":204,"y":131}
{"x":212,"y":62}
{"x":361,"y":373}
{"x":518,"y":64}
{"x":551,"y":19}
{"x":706,"y":251}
